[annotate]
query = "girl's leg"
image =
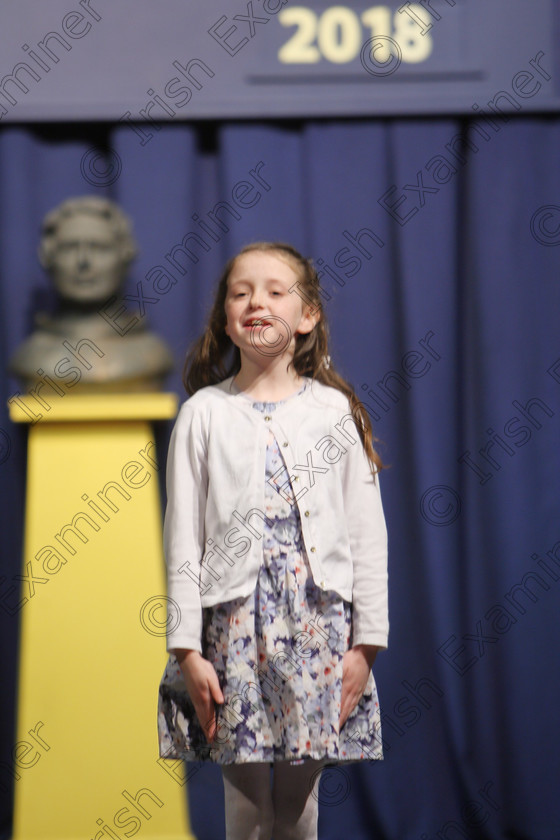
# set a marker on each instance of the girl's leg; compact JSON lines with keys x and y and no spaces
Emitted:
{"x":295,"y":798}
{"x":248,"y":801}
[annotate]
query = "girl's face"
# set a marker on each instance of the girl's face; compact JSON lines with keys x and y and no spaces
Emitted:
{"x":263,"y":316}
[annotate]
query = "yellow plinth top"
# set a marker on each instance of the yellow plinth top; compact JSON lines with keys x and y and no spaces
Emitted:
{"x":87,"y":407}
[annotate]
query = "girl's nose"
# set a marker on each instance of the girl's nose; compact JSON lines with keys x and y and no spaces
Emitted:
{"x":256,"y":300}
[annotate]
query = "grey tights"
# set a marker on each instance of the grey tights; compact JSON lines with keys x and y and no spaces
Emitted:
{"x":286,"y":810}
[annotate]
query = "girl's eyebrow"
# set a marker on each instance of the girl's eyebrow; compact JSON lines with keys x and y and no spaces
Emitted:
{"x":248,"y":282}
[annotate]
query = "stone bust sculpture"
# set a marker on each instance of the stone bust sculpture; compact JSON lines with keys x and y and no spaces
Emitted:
{"x":87,"y":247}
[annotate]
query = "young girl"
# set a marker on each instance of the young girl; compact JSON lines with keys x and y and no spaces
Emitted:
{"x":275,"y":544}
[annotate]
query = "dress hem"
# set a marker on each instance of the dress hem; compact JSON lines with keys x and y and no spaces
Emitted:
{"x":330,"y":760}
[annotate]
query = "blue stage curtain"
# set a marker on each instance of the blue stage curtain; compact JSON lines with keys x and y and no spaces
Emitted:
{"x":440,"y":245}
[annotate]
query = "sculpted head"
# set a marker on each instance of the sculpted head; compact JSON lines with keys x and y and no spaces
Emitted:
{"x":87,"y":246}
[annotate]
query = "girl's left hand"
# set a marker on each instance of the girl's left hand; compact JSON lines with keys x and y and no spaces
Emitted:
{"x":356,"y":666}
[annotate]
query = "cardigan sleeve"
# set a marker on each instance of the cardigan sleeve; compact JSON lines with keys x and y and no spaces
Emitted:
{"x":368,"y":544}
{"x":183,"y":530}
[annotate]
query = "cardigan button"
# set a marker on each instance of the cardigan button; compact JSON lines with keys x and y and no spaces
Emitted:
{"x":306,"y":513}
{"x":285,"y":443}
{"x":323,"y":585}
{"x":313,"y":549}
{"x":268,"y":417}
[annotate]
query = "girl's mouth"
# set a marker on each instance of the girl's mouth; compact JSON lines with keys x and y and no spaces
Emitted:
{"x":257,"y":322}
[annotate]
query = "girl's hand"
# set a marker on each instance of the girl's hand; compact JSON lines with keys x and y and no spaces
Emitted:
{"x":203,"y":688}
{"x":356,"y":666}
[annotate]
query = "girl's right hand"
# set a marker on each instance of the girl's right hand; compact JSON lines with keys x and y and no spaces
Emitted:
{"x":203,"y":687}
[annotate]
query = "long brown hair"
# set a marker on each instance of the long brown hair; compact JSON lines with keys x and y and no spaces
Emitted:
{"x":214,"y":357}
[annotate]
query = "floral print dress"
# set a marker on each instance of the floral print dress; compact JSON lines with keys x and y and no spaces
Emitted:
{"x":278,"y":655}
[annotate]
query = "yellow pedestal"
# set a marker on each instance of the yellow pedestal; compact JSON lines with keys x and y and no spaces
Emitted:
{"x":93,"y":626}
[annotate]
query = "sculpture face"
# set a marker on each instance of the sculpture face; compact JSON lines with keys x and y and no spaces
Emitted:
{"x":87,"y":264}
